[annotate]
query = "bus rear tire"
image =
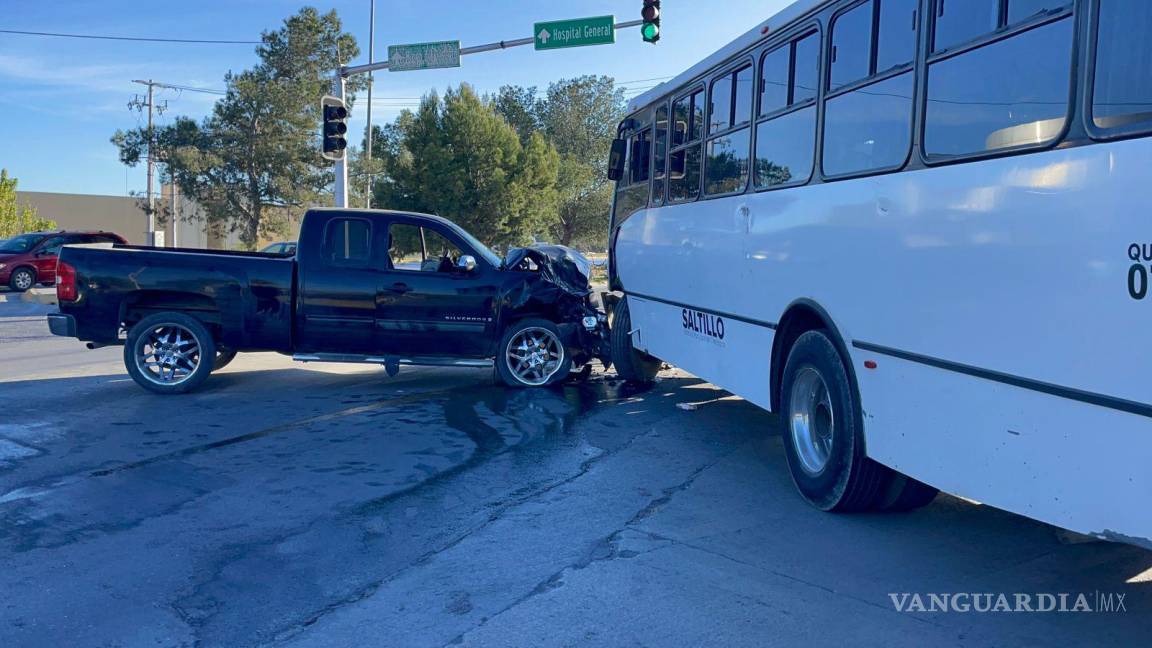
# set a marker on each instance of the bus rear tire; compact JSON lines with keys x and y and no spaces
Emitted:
{"x":823,"y":431}
{"x":631,"y":365}
{"x":905,"y":494}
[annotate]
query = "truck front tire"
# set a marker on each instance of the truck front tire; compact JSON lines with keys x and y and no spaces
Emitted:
{"x":531,"y":354}
{"x":169,"y":353}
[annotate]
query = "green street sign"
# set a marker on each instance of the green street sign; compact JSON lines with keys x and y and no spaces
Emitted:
{"x":578,"y":32}
{"x":423,"y":56}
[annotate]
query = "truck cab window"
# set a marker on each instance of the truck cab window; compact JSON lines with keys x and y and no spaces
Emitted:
{"x":347,"y":241}
{"x":419,"y":249}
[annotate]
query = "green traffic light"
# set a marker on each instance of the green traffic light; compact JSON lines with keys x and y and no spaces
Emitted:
{"x":650,"y":32}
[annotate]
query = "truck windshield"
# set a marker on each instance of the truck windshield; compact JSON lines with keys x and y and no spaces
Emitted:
{"x":21,"y":243}
{"x":489,"y":255}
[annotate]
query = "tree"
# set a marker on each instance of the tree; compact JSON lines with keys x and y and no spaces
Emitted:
{"x":457,"y":158}
{"x":520,"y":108}
{"x":579,"y":117}
{"x":15,"y":218}
{"x":252,"y":164}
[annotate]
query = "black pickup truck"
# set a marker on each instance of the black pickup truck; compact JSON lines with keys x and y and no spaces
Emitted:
{"x":364,"y":286}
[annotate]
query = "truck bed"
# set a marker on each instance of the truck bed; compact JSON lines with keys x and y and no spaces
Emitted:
{"x":246,"y":295}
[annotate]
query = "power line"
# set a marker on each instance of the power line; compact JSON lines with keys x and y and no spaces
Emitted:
{"x":193,"y":89}
{"x":131,"y":38}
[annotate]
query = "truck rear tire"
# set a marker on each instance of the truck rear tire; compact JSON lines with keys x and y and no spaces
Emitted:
{"x":169,"y":353}
{"x":631,"y":365}
{"x":823,"y":434}
{"x":531,"y":354}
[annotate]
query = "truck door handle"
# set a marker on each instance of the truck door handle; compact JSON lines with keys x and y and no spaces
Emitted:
{"x":400,"y":288}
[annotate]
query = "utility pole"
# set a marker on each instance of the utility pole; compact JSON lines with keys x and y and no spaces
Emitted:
{"x":368,"y":146}
{"x":150,"y":104}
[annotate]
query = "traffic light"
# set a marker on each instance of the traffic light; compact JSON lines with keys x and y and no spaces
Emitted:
{"x":650,"y":30}
{"x":335,"y":126}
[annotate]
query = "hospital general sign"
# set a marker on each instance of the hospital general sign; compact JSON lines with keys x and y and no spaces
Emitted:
{"x":578,"y":32}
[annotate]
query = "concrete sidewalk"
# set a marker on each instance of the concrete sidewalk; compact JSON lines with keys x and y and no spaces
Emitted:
{"x":46,"y":296}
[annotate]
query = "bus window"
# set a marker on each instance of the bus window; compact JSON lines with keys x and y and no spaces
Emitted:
{"x":1011,"y":93}
{"x":897,"y":30}
{"x":660,"y":155}
{"x":727,"y":162}
{"x":784,"y":148}
{"x":774,"y":72}
{"x":684,"y":160}
{"x":1122,"y":93}
{"x":869,"y":129}
{"x":730,"y":100}
{"x":720,"y":104}
{"x":959,"y":21}
{"x":851,"y":46}
{"x":1021,"y":10}
{"x":805,"y":68}
{"x":785,"y":141}
{"x":640,"y":157}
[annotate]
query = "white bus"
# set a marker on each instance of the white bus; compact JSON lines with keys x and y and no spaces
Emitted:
{"x":921,"y":232}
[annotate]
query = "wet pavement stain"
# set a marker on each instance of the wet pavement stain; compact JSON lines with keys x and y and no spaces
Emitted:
{"x":525,"y":444}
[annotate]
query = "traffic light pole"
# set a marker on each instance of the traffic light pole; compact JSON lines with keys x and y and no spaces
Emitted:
{"x":347,"y":71}
{"x":341,"y":187}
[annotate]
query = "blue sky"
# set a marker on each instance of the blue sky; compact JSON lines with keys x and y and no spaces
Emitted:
{"x":63,"y":98}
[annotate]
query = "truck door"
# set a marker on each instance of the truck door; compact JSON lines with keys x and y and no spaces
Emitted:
{"x":338,"y":281}
{"x":428,"y":306}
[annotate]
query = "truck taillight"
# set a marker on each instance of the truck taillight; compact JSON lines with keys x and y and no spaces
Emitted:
{"x":65,"y":282}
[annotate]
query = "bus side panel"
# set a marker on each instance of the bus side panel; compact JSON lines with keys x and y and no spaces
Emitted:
{"x":720,"y":350}
{"x":1018,"y":265}
{"x":1071,"y":464}
{"x":693,"y":254}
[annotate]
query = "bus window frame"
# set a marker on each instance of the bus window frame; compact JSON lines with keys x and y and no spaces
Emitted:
{"x":1091,"y":31}
{"x":991,"y":38}
{"x":733,"y":66}
{"x":826,"y":94}
{"x":696,"y":86}
{"x":653,"y":201}
{"x":793,"y":36}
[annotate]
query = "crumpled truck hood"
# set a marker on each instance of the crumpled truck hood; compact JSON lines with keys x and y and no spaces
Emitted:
{"x":559,"y":266}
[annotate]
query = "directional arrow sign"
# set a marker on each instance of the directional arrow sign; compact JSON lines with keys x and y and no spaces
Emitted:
{"x":578,"y":32}
{"x":424,"y":56}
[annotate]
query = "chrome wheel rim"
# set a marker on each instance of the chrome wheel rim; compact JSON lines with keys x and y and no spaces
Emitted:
{"x":167,"y":354}
{"x":811,"y":420}
{"x":23,"y":279}
{"x":534,"y":355}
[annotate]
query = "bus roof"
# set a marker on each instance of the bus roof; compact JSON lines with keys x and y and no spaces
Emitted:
{"x":749,"y":38}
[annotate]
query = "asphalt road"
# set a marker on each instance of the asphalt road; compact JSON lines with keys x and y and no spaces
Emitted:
{"x":322,"y":505}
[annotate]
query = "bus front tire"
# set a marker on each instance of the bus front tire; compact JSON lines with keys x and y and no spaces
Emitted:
{"x":823,"y":433}
{"x":631,"y":365}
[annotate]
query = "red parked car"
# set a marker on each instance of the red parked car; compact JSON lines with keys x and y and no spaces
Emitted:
{"x":29,"y":259}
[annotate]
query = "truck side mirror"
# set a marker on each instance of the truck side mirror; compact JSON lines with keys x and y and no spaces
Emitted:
{"x":466,"y":263}
{"x":616,"y":159}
